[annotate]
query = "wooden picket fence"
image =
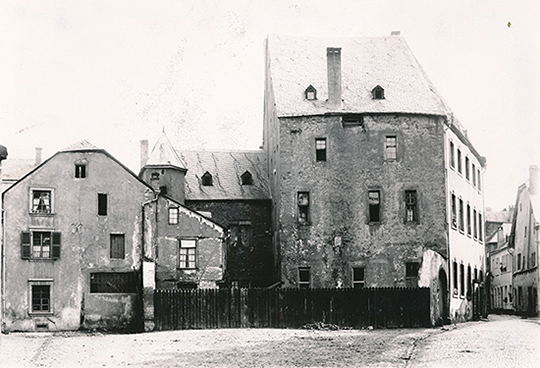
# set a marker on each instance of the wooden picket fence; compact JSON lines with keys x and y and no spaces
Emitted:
{"x":291,"y":308}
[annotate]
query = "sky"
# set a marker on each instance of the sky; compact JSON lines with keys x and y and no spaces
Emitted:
{"x":116,"y":72}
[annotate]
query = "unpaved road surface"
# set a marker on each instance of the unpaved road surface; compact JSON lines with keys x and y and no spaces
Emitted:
{"x":501,"y":342}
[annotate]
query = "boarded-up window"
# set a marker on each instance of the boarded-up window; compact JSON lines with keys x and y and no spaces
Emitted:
{"x":102,"y":204}
{"x":118,"y":249}
{"x":113,"y":282}
{"x":374,"y":199}
{"x":188,"y":254}
{"x":304,"y":277}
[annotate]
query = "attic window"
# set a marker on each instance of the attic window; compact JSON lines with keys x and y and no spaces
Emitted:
{"x":311,"y":93}
{"x":207,"y":179}
{"x":378,"y":93}
{"x":247,"y":178}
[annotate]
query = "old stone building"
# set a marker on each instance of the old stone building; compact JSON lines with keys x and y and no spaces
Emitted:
{"x":373,"y":182}
{"x":524,"y":240}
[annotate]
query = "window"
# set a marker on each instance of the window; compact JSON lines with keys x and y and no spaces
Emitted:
{"x":391,"y":147}
{"x":304,"y":277}
{"x":378,"y":93}
{"x":320,"y":149}
{"x":80,"y":171}
{"x":40,"y":245}
{"x":469,"y":282}
{"x":469,"y":227}
{"x":525,"y":232}
{"x":247,"y":178}
{"x":102,"y":204}
{"x":118,"y":248}
{"x":163,"y":189}
{"x":411,"y":206}
{"x":41,"y":298}
{"x":173,"y":215}
{"x":467,"y":168}
{"x":207,"y":179}
{"x":459,"y":161}
{"x":188,"y":249}
{"x":461,"y":216}
{"x":479,"y":186}
{"x":455,"y":277}
{"x":358,"y":274}
{"x":113,"y":282}
{"x":475,"y":274}
{"x":154,"y":176}
{"x":411,"y":274}
{"x":519,"y":261}
{"x":475,"y":227}
{"x":532,"y":259}
{"x":41,"y":201}
{"x":241,"y":234}
{"x":374,"y":200}
{"x":474,"y":174}
{"x":480,"y":236}
{"x":350,"y":120}
{"x":452,"y":155}
{"x":461,"y":279}
{"x":454,"y":211}
{"x":310,"y":93}
{"x":303,"y":207}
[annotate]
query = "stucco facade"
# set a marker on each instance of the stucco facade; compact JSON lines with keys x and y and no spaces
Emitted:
{"x":72,"y":244}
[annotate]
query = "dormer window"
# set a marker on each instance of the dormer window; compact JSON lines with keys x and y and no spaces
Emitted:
{"x":207,"y":179}
{"x":378,"y":93}
{"x":311,"y":93}
{"x":247,"y":178}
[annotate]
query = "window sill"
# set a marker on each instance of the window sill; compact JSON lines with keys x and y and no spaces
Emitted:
{"x":37,"y":214}
{"x":40,"y":314}
{"x":40,"y":259}
{"x":304,"y":223}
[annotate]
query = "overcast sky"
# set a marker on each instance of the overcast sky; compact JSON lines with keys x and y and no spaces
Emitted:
{"x":115,"y":72}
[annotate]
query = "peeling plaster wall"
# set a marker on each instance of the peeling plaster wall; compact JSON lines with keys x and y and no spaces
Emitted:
{"x":210,"y":238}
{"x":85,"y":243}
{"x":339,"y":235}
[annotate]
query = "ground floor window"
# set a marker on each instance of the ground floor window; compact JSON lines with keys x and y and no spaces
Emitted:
{"x":113,"y":282}
{"x":40,"y":294}
{"x":304,"y":277}
{"x":358,"y":277}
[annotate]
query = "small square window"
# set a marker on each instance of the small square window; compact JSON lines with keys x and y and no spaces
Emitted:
{"x":80,"y":171}
{"x":358,"y":277}
{"x":304,"y":277}
{"x":391,"y":147}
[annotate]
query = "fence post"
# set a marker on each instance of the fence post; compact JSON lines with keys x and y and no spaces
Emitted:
{"x":149,"y":284}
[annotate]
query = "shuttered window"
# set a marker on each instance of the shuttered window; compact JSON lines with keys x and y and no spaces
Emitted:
{"x":118,"y":248}
{"x":40,"y":245}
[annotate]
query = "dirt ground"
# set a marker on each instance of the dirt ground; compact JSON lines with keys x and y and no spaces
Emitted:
{"x":213,"y":348}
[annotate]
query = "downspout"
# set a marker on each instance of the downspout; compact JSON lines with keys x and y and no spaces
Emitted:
{"x":3,"y":275}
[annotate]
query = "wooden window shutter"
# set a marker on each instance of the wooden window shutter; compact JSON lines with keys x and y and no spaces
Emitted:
{"x":25,"y":245}
{"x":56,"y":245}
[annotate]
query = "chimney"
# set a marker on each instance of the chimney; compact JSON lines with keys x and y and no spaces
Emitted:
{"x":395,"y":33}
{"x":533,"y":179}
{"x":144,"y":152}
{"x":500,"y":237}
{"x":38,"y":156}
{"x":333,"y":56}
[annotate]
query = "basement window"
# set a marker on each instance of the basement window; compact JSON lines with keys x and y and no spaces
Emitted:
{"x":304,"y":277}
{"x":207,"y":179}
{"x":378,"y":93}
{"x":358,"y":280}
{"x":310,"y":93}
{"x":320,"y":149}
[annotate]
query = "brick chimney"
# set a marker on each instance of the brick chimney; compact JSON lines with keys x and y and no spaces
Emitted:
{"x":38,"y":156}
{"x":144,"y":152}
{"x":333,"y":56}
{"x":533,"y":179}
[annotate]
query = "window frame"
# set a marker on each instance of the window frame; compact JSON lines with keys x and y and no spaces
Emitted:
{"x":461,"y":219}
{"x":190,"y":252}
{"x":467,"y":168}
{"x":27,"y":245}
{"x":31,"y":201}
{"x":321,"y":153}
{"x":414,"y":207}
{"x":302,"y":284}
{"x":207,"y":180}
{"x":173,"y":215}
{"x":308,"y":90}
{"x":375,"y":206}
{"x":452,"y":155}
{"x":461,"y":279}
{"x":454,"y":211}
{"x":391,"y":150}
{"x":80,"y":170}
{"x":40,"y":283}
{"x":361,"y":282}
{"x":246,"y":178}
{"x":459,"y":163}
{"x":303,"y":207}
{"x":377,"y":93}
{"x":113,"y":253}
{"x":102,"y":211}
{"x":98,"y":282}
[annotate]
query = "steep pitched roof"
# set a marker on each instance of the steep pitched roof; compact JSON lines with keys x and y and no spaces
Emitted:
{"x":163,"y":153}
{"x":296,"y":63}
{"x":226,"y":168}
{"x":82,"y":145}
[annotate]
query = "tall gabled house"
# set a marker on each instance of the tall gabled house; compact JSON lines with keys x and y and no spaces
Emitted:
{"x":72,"y":249}
{"x":524,"y":241}
{"x":373,"y":182}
